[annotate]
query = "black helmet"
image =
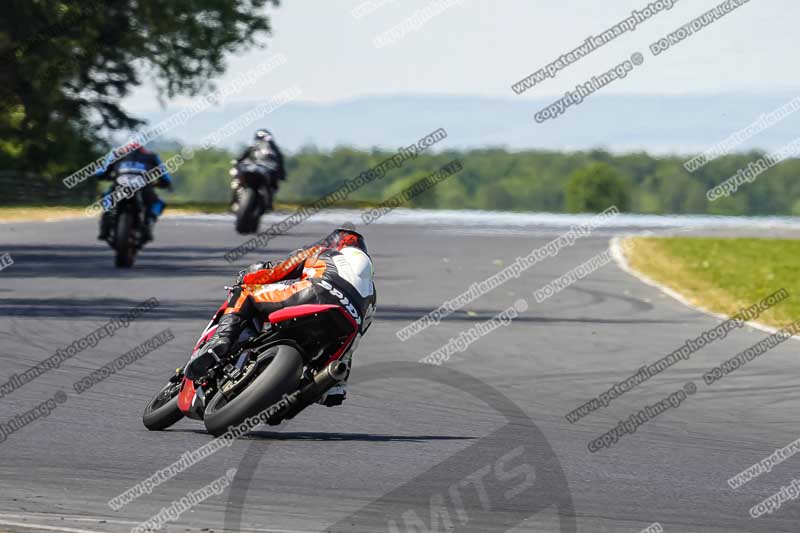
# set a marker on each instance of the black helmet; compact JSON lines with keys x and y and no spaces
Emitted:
{"x":263,"y":135}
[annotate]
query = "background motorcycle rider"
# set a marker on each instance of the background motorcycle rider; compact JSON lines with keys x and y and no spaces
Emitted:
{"x":265,"y":151}
{"x":138,"y":161}
{"x":336,"y":270}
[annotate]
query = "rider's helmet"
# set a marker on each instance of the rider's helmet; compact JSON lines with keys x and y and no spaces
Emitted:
{"x":263,"y":135}
{"x":131,"y":146}
{"x":354,"y":264}
{"x":344,"y":237}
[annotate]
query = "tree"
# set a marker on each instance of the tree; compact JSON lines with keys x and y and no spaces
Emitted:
{"x":65,"y":65}
{"x":595,"y":188}
{"x":495,"y":197}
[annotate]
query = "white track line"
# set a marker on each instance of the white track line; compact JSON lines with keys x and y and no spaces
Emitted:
{"x":622,"y":262}
{"x":97,"y":519}
{"x":30,"y":525}
{"x":70,"y":518}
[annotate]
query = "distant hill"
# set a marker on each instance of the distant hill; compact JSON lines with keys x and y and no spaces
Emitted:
{"x":683,"y":124}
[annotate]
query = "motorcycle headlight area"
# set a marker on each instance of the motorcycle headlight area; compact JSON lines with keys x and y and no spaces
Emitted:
{"x":133,"y":181}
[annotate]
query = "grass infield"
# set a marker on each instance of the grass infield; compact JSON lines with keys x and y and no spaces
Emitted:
{"x":724,"y":275}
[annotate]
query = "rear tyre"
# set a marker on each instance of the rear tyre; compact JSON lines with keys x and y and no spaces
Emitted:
{"x":245,"y":210}
{"x":162,"y":411}
{"x":124,"y":246}
{"x":280,"y":377}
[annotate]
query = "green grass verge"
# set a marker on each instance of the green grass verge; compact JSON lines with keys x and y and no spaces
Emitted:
{"x":724,"y":275}
{"x":39,"y":212}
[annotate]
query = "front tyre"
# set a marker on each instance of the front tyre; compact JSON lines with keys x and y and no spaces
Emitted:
{"x":123,"y":243}
{"x":162,"y":411}
{"x":280,"y":377}
{"x":245,"y":210}
{"x":269,"y":199}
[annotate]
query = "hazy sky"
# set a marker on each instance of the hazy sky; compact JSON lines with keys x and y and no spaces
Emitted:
{"x":481,"y":47}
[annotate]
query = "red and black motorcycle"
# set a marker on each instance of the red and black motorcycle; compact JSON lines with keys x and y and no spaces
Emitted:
{"x":296,"y":354}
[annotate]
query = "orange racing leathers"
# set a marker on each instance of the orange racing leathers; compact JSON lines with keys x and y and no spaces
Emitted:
{"x":321,"y":274}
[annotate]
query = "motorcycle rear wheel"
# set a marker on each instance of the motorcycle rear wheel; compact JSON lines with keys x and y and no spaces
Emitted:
{"x":281,"y":376}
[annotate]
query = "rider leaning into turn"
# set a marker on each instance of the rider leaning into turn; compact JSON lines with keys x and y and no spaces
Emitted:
{"x":337,"y":270}
{"x":138,"y":161}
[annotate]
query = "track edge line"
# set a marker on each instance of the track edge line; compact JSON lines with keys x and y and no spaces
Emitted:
{"x":622,"y":262}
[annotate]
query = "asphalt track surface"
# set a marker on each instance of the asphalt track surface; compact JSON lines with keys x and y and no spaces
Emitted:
{"x":407,"y":444}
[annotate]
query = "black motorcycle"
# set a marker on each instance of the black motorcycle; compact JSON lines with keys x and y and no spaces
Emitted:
{"x":125,"y":214}
{"x":254,"y":186}
{"x":281,"y":366}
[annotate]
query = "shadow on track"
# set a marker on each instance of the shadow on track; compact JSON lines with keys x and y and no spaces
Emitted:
{"x":36,"y":261}
{"x":410,"y":314}
{"x":325,"y":437}
{"x":106,"y":308}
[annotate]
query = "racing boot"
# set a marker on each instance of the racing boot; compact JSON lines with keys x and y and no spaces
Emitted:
{"x":337,"y":394}
{"x":218,"y":349}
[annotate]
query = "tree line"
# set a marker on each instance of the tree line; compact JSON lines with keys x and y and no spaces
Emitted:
{"x":532,"y":180}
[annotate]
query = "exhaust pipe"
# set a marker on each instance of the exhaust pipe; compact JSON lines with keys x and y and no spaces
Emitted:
{"x":330,"y":376}
{"x":337,"y":370}
{"x":323,"y":381}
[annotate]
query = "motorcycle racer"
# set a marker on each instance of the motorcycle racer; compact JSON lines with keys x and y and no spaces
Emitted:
{"x":265,"y":149}
{"x":336,"y":270}
{"x":138,"y":160}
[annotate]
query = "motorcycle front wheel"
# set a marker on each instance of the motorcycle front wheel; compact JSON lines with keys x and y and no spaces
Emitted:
{"x":124,"y":246}
{"x":163,"y":411}
{"x":245,"y":211}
